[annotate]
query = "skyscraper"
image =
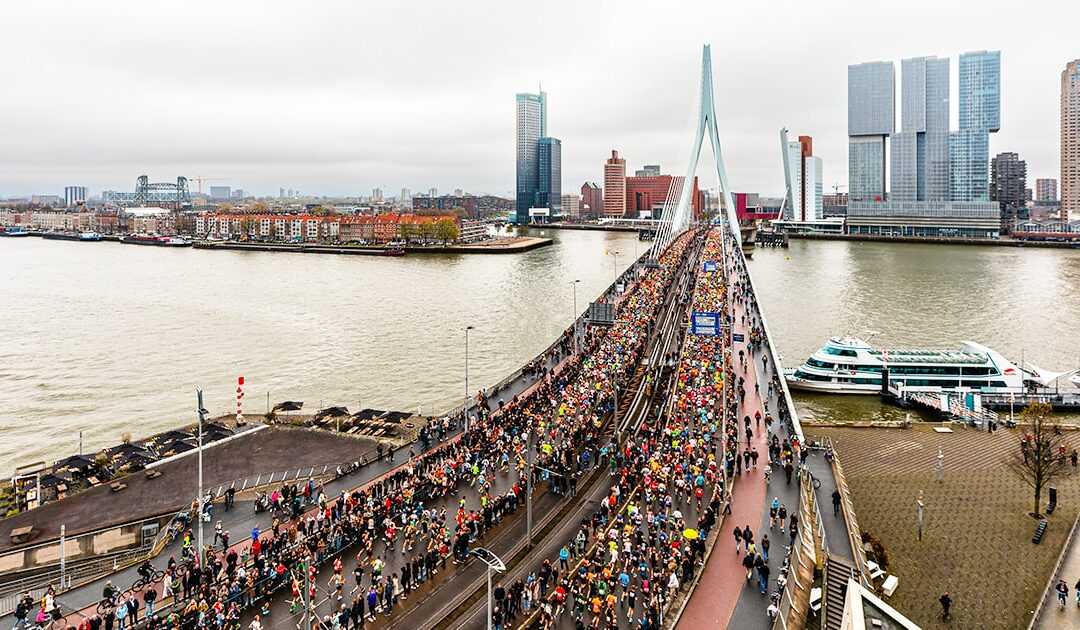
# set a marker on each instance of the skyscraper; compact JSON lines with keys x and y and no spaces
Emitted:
{"x":549,"y":191}
{"x":614,"y":186}
{"x":406,"y":197}
{"x":1008,"y":184}
{"x":1070,"y":141}
{"x":73,"y":195}
{"x":980,"y":115}
{"x":531,"y":126}
{"x":1046,"y":190}
{"x":803,"y":172}
{"x":920,"y":151}
{"x":871,"y":107}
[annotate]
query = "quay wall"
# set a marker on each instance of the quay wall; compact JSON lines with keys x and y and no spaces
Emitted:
{"x":999,"y":242}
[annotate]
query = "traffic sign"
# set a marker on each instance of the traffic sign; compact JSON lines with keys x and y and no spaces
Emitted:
{"x":705,"y":323}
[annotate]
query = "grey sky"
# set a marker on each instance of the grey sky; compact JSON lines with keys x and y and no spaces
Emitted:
{"x":340,"y":97}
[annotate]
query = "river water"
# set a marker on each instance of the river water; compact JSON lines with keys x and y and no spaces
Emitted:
{"x":109,"y":339}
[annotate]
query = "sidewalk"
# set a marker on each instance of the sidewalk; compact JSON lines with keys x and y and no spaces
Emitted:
{"x":1051,"y":616}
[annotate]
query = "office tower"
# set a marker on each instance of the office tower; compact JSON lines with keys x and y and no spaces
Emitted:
{"x":1070,"y":141}
{"x":549,"y":192}
{"x":1046,"y":190}
{"x":531,"y":126}
{"x":433,"y":192}
{"x":571,"y":206}
{"x":1008,"y":184}
{"x":73,"y":195}
{"x":220,"y":192}
{"x":614,"y":186}
{"x":376,"y":194}
{"x":647,"y":196}
{"x":281,"y":193}
{"x":592,"y":199}
{"x":803,"y":173}
{"x":649,"y":170}
{"x":406,"y":197}
{"x":871,"y":106}
{"x":920,"y":151}
{"x":980,"y":115}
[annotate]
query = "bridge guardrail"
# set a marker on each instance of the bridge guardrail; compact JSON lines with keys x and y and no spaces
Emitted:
{"x":848,"y":509}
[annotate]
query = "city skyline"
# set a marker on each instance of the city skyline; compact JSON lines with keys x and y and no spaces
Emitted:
{"x":343,"y":118}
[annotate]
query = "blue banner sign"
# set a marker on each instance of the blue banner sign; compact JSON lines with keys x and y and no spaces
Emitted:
{"x":704,"y":323}
{"x":738,"y":337}
{"x":709,"y":266}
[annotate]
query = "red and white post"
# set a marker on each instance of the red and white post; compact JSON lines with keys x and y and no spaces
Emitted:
{"x":239,"y":400}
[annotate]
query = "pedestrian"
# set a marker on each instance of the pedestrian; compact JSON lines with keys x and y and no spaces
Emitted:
{"x":738,"y":538}
{"x":765,"y":547}
{"x":836,"y":502}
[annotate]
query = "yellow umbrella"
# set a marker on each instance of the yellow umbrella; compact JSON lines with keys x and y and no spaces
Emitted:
{"x":690,"y":534}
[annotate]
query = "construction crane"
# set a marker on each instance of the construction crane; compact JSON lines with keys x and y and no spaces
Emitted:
{"x":200,"y":179}
{"x":836,"y":188}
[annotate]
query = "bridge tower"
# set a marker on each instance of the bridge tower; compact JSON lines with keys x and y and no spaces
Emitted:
{"x":681,"y":218}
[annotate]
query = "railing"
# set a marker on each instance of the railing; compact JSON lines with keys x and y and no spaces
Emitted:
{"x":71,"y":577}
{"x":848,"y":508}
{"x":794,"y":605}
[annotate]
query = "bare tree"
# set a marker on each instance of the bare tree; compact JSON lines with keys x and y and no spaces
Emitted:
{"x":1041,"y":456}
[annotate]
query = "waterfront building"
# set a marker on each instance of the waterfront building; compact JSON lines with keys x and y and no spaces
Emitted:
{"x":1070,"y":141}
{"x":834,"y":205}
{"x":74,"y":195}
{"x":592,"y":200}
{"x":220,"y":192}
{"x":802,"y":169}
{"x":871,"y":107}
{"x":549,"y":171}
{"x":571,"y":206}
{"x":956,"y":219}
{"x":1008,"y":187}
{"x":647,"y":196}
{"x":614,"y":186}
{"x":649,"y":170}
{"x":531,"y":126}
{"x":980,"y":115}
{"x":920,"y":151}
{"x":1046,"y":189}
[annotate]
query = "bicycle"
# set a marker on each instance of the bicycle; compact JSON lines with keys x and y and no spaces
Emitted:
{"x":152,"y":577}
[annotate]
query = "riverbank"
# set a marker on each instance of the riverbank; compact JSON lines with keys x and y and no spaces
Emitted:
{"x":503,"y":245}
{"x":1000,"y":242}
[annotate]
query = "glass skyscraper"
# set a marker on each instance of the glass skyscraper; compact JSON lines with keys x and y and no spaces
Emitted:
{"x":871,"y":107}
{"x":980,"y":115}
{"x":549,"y":192}
{"x":920,"y":151}
{"x":531,"y":126}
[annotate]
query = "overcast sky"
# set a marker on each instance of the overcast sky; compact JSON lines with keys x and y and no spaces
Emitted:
{"x":341,"y":97}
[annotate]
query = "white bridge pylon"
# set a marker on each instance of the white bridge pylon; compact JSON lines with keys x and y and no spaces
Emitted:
{"x":680,"y":219}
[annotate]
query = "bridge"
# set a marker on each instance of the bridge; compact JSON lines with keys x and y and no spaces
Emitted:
{"x":626,"y":453}
{"x":171,"y":195}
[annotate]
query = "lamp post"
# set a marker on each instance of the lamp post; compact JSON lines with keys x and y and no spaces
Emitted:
{"x":528,"y":487}
{"x":494,"y":563}
{"x":940,"y":465}
{"x":202,"y":498}
{"x":576,"y":315}
{"x":465,"y":407}
{"x":615,"y":263}
{"x":921,"y":505}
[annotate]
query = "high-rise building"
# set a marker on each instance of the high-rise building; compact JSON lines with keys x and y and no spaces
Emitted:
{"x":1008,"y":187}
{"x":220,"y":192}
{"x":376,"y":194}
{"x":649,"y":170}
{"x":549,"y":190}
{"x":871,"y":107}
{"x":531,"y":126}
{"x":920,"y":151}
{"x":614,"y":186}
{"x":1046,"y":190}
{"x":592,"y":199}
{"x":238,"y":193}
{"x":1070,"y":141}
{"x":803,"y":172}
{"x":73,"y":195}
{"x":281,"y":193}
{"x":980,"y":115}
{"x":650,"y":196}
{"x":433,"y":192}
{"x":405,"y":197}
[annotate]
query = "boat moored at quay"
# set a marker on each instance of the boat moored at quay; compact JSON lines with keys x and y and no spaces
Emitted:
{"x":72,"y":236}
{"x":158,"y":241}
{"x":850,"y":365}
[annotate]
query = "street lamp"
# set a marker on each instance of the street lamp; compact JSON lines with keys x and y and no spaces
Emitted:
{"x":494,"y":563}
{"x":465,"y":407}
{"x":576,"y":315}
{"x":921,"y":505}
{"x":940,"y":465}
{"x":615,"y":263}
{"x":202,"y":508}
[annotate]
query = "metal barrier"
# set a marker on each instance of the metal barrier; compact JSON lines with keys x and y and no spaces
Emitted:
{"x":71,"y":577}
{"x":794,"y":605}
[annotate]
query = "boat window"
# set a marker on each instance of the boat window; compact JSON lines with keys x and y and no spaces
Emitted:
{"x":839,"y":351}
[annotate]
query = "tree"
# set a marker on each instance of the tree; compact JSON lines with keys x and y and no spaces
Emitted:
{"x":260,"y":207}
{"x":1041,"y":456}
{"x":446,"y":230}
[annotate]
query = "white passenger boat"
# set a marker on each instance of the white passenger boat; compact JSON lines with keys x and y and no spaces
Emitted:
{"x":849,"y":365}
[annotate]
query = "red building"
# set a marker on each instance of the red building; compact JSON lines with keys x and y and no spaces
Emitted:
{"x":592,"y":196}
{"x":650,"y":193}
